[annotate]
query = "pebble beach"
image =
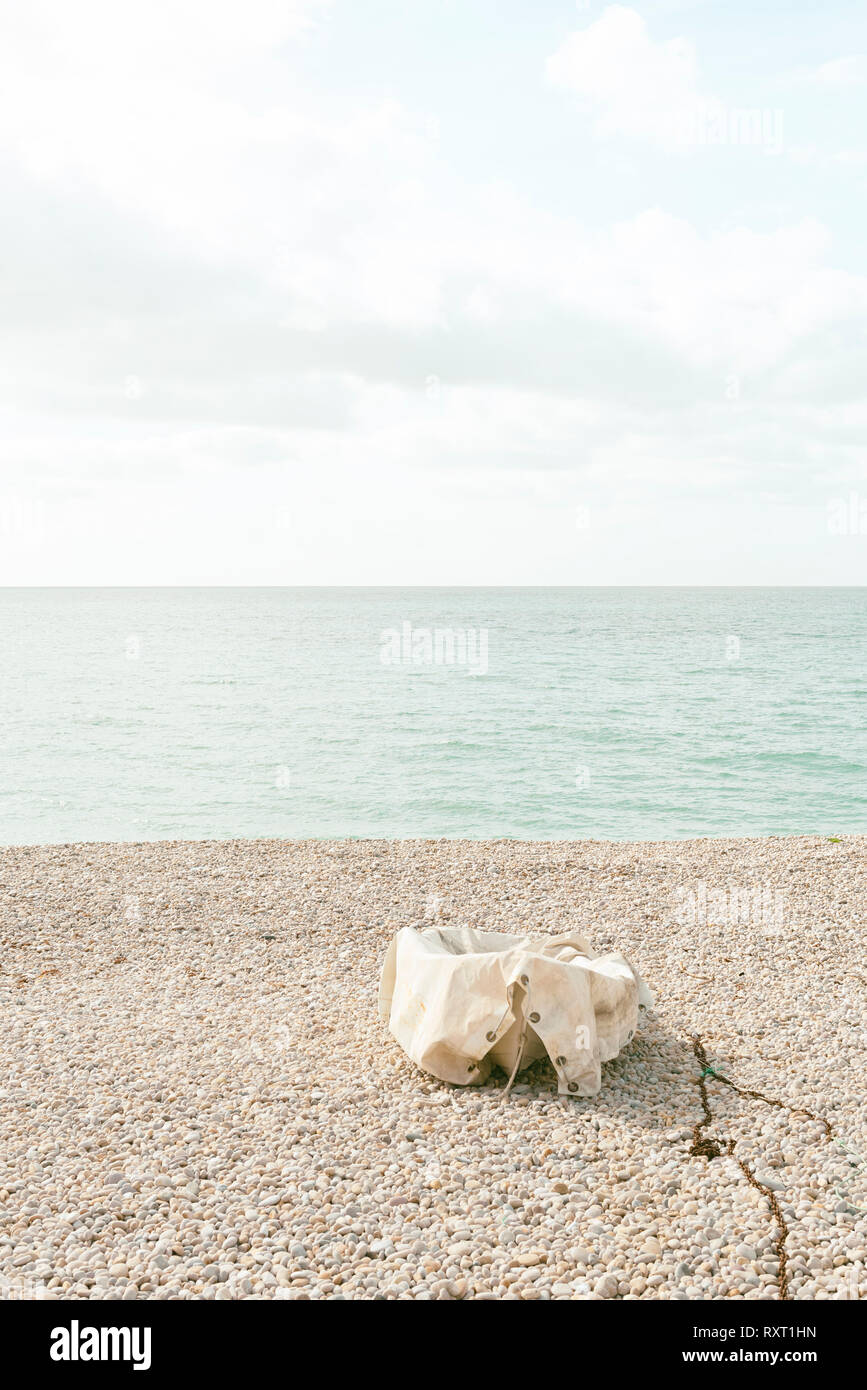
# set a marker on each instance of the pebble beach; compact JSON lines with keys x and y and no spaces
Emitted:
{"x":199,"y":1100}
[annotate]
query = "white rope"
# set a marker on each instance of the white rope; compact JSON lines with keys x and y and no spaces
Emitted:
{"x":521,"y":1047}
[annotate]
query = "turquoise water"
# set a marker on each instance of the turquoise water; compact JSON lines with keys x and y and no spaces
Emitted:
{"x":132,"y":714}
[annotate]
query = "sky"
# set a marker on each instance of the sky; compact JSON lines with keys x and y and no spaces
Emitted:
{"x":433,"y":292}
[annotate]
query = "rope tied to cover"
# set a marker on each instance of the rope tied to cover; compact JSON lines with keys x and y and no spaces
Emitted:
{"x":525,"y":1009}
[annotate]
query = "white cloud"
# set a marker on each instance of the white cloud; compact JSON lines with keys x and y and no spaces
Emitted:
{"x":167,"y":34}
{"x":342,"y":339}
{"x":651,"y":90}
{"x":355,"y":222}
{"x":633,"y":85}
{"x":837,"y":72}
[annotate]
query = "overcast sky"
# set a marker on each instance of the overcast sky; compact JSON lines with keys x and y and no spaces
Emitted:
{"x":433,"y":291}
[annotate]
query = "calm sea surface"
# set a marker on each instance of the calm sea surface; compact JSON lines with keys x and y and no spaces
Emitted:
{"x":133,"y":714}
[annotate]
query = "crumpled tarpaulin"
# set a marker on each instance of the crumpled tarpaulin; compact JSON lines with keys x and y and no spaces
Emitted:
{"x":459,"y":1000}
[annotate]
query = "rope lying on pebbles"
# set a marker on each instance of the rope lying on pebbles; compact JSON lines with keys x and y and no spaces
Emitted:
{"x":782,"y":1224}
{"x":756,"y":1095}
{"x":704,"y":1146}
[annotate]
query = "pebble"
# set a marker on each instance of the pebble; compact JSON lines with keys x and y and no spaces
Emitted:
{"x":606,"y":1287}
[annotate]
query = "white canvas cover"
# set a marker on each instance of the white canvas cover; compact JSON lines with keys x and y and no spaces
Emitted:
{"x":458,"y":1000}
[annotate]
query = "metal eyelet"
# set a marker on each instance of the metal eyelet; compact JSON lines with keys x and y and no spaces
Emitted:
{"x":490,"y":1036}
{"x":534,"y":1018}
{"x":573,"y":1086}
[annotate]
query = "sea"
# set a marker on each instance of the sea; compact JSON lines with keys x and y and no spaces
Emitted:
{"x":521,"y":713}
